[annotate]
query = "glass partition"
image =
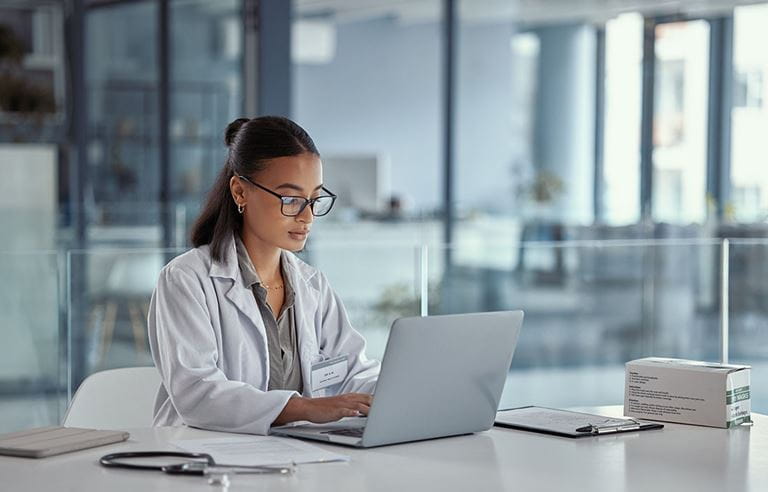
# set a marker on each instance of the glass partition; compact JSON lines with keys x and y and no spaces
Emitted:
{"x":590,"y":307}
{"x":111,"y":290}
{"x":109,"y":294}
{"x":377,"y":284}
{"x":32,"y":360}
{"x":748,"y":313}
{"x":133,"y":226}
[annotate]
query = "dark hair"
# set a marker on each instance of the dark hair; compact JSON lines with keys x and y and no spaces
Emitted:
{"x":252,"y":143}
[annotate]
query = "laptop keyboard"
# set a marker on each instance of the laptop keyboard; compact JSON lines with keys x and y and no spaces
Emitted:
{"x":349,"y":432}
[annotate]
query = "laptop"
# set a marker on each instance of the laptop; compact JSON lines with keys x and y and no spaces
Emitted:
{"x":441,"y":376}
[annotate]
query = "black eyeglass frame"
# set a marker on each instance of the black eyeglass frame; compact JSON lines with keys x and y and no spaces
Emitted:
{"x":307,"y":201}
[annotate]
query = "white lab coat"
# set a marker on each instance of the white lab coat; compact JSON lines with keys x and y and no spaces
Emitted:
{"x":209,"y":343}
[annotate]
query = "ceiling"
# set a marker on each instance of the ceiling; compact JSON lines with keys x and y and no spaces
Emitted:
{"x":523,"y":11}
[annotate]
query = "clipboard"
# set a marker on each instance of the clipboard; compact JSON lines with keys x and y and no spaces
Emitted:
{"x":566,"y":423}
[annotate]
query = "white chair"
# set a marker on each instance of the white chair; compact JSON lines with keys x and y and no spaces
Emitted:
{"x":115,"y":399}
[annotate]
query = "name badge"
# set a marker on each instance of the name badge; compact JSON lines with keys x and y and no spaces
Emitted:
{"x":329,"y":372}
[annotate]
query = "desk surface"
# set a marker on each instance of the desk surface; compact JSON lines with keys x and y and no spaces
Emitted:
{"x":677,"y":458}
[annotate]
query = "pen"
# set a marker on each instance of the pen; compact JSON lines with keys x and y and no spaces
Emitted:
{"x":594,"y":429}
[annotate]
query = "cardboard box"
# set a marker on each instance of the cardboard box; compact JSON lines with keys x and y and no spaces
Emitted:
{"x":687,"y":392}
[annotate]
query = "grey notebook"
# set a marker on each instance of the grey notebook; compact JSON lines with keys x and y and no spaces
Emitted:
{"x":50,"y":441}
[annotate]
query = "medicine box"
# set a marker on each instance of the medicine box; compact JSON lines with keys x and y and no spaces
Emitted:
{"x":687,"y":391}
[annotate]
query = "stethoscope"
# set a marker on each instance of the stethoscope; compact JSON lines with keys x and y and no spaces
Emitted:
{"x":195,"y":464}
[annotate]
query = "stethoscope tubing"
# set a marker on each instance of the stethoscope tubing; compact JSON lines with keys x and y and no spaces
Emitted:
{"x":109,"y":460}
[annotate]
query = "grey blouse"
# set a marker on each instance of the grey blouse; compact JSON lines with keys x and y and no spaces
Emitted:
{"x":284,"y":364}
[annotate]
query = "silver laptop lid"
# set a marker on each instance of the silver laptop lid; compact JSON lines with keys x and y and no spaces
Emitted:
{"x":442,"y":376}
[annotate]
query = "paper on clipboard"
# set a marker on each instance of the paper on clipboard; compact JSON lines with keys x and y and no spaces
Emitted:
{"x":259,"y":450}
{"x":566,"y":423}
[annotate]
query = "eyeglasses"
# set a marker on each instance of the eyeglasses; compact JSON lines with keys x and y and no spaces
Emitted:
{"x":291,"y":206}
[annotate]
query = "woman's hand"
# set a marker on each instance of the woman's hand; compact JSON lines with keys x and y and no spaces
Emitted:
{"x":322,"y":410}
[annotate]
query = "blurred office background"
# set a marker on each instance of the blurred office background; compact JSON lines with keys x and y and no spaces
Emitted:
{"x":600,"y":164}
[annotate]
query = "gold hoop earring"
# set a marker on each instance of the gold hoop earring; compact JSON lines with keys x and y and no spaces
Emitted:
{"x":240,"y":208}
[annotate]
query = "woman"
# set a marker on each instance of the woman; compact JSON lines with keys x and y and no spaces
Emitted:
{"x":244,"y":334}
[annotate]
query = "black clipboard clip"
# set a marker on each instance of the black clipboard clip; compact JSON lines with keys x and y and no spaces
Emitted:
{"x":631,"y":424}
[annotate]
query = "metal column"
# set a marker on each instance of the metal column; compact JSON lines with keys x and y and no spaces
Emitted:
{"x":164,"y":118}
{"x":267,"y":57}
{"x":646,"y":132}
{"x":719,"y":114}
{"x":449,"y":113}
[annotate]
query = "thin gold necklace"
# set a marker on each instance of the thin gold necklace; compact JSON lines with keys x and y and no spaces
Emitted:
{"x":276,"y":287}
{"x":268,"y":286}
{"x":265,"y":285}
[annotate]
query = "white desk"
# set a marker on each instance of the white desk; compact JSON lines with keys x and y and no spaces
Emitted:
{"x":678,"y":458}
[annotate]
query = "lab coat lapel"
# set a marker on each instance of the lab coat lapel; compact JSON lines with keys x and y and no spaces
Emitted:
{"x":306,"y":302}
{"x":243,"y":299}
{"x":238,"y":294}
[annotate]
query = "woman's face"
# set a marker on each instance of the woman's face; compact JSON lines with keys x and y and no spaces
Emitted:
{"x":300,"y":175}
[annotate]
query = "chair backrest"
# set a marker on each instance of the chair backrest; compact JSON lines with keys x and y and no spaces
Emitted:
{"x":115,"y":399}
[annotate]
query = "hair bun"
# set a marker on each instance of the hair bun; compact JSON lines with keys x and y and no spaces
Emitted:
{"x":232,"y":129}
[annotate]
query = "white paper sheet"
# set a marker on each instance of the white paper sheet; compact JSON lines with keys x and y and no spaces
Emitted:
{"x":258,"y":450}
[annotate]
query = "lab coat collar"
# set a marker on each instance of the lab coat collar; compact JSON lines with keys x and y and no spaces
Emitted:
{"x":229,"y":268}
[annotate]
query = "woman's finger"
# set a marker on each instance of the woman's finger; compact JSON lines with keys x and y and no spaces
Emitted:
{"x":360,"y":397}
